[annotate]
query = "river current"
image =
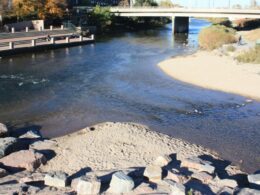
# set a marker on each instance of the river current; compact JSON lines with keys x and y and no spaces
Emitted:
{"x":117,"y":79}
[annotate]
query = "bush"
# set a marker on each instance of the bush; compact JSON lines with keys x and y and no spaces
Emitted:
{"x":231,"y":48}
{"x":247,"y":24}
{"x":145,"y":3}
{"x":251,"y":56}
{"x":215,"y":36}
{"x":220,"y":21}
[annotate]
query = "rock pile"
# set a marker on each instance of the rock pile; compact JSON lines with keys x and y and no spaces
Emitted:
{"x":166,"y":175}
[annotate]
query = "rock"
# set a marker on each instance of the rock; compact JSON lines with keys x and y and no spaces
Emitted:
{"x":248,"y":191}
{"x":7,"y":145}
{"x":162,"y":160}
{"x":198,"y":164}
{"x":32,"y":134}
{"x":121,"y":183}
{"x":202,"y":176}
{"x":224,"y":182}
{"x":74,"y":183}
{"x":34,"y":177}
{"x":176,"y":188}
{"x":43,"y":145}
{"x":56,"y":179}
{"x":171,"y":175}
{"x":153,"y":173}
{"x":225,"y":191}
{"x":144,"y":188}
{"x":27,"y":159}
{"x":88,"y":185}
{"x":254,"y":179}
{"x":3,"y":130}
{"x":3,"y":172}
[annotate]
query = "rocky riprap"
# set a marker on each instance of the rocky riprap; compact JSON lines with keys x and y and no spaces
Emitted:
{"x":167,"y":174}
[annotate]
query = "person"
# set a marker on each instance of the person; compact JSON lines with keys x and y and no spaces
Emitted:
{"x":48,"y":37}
{"x":239,"y":40}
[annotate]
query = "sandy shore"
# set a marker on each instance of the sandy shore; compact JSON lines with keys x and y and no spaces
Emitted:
{"x":116,"y":146}
{"x":212,"y":71}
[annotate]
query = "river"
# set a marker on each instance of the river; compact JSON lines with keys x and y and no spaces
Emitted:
{"x":116,"y":79}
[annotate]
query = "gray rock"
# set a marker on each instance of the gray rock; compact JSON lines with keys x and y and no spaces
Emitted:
{"x":248,"y":191}
{"x":33,"y":177}
{"x":32,"y":134}
{"x":88,"y":185}
{"x":3,"y":130}
{"x":176,"y":188}
{"x":3,"y":172}
{"x":56,"y":179}
{"x":254,"y":179}
{"x":7,"y":145}
{"x":225,"y":191}
{"x":162,"y":160}
{"x":121,"y":183}
{"x":153,"y":173}
{"x":43,"y":145}
{"x":198,"y":164}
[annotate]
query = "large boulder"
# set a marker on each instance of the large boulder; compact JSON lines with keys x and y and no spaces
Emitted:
{"x":3,"y":130}
{"x":248,"y":191}
{"x":7,"y":145}
{"x":121,"y":183}
{"x":56,"y":179}
{"x":88,"y":185}
{"x":24,"y":159}
{"x":176,"y":188}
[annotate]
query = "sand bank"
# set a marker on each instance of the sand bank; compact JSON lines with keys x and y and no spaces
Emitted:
{"x":212,"y":71}
{"x":116,"y":146}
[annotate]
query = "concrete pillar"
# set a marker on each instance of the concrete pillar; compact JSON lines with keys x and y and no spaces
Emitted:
{"x":67,"y":39}
{"x":80,"y":38}
{"x":26,"y":29}
{"x":61,"y":27}
{"x":33,"y":43}
{"x":92,"y":37}
{"x":40,"y":29}
{"x":180,"y":24}
{"x":51,"y":27}
{"x":11,"y":45}
{"x":13,"y":30}
{"x":52,"y":40}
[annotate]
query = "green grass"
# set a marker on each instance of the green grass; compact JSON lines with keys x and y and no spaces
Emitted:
{"x":215,"y":36}
{"x":251,"y":56}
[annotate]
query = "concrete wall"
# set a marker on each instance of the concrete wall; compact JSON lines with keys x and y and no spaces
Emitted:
{"x":21,"y":26}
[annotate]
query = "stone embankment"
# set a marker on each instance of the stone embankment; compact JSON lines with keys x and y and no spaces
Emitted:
{"x":22,"y":156}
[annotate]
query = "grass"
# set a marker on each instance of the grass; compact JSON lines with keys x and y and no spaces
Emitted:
{"x":251,"y":56}
{"x":215,"y":36}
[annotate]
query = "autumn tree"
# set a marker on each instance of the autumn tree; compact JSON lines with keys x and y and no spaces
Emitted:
{"x":55,"y":8}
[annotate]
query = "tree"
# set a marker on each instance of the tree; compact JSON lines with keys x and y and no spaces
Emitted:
{"x":23,"y":8}
{"x":55,"y":8}
{"x":124,"y":3}
{"x":146,"y":3}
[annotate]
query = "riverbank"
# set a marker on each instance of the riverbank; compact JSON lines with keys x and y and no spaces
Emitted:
{"x":116,"y":158}
{"x":217,"y":71}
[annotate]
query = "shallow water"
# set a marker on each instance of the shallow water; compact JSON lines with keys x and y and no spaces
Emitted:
{"x":116,"y":79}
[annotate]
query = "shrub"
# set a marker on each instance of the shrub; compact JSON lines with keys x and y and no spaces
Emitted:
{"x":215,"y":36}
{"x":231,"y":48}
{"x":247,"y":24}
{"x":251,"y":56}
{"x":220,"y":21}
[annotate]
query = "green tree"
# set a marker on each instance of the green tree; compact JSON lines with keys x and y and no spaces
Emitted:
{"x":166,"y":3}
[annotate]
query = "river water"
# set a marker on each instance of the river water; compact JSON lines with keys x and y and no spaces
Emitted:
{"x":116,"y":79}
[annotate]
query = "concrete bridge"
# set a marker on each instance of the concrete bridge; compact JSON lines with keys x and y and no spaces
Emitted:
{"x":180,"y":16}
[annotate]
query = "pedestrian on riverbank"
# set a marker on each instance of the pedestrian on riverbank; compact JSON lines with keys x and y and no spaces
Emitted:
{"x":239,"y":40}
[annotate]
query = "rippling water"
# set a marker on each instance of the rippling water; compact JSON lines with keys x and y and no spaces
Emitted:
{"x":117,"y":79}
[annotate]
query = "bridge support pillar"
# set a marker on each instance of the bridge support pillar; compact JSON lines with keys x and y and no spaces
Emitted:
{"x":180,"y":24}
